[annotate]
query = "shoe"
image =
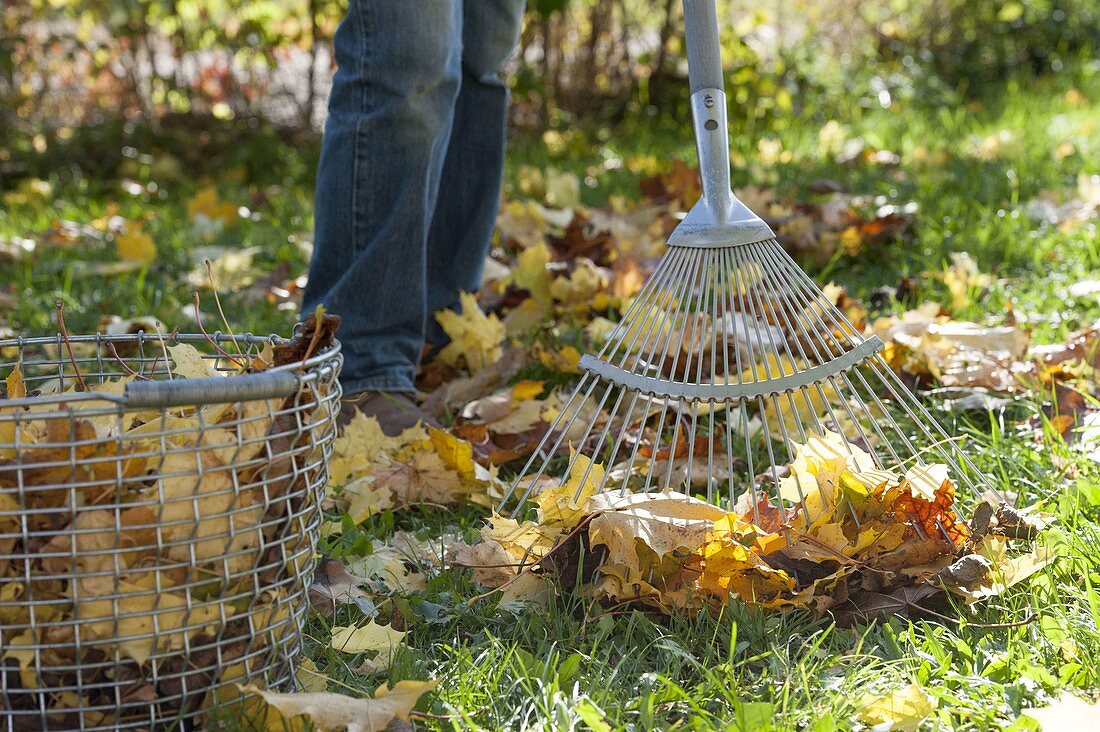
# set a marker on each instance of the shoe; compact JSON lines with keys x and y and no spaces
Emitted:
{"x":395,"y":411}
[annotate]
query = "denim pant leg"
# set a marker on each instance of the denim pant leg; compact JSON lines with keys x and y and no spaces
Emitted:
{"x":390,"y":116}
{"x":469,"y":197}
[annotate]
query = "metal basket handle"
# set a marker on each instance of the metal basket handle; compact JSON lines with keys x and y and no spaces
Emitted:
{"x":212,"y":390}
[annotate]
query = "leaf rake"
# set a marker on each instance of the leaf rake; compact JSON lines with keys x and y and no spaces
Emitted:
{"x":730,"y":358}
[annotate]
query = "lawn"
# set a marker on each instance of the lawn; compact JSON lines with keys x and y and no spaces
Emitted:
{"x":974,"y":173}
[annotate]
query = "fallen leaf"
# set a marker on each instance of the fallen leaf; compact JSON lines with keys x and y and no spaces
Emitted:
{"x":564,"y":506}
{"x":1005,"y":571}
{"x":386,"y":568}
{"x":476,"y":339}
{"x":365,"y":498}
{"x":134,"y":245}
{"x":903,"y":709}
{"x":868,"y":607}
{"x":531,"y":272}
{"x":528,"y":588}
{"x":1067,"y":712}
{"x":465,"y":389}
{"x":336,"y":711}
{"x":564,"y":360}
{"x":16,"y":387}
{"x":581,"y":285}
{"x":188,"y":363}
{"x":145,"y":620}
{"x":332,"y":586}
{"x":492,"y":565}
{"x":370,"y":637}
{"x":664,"y":522}
{"x":424,"y":477}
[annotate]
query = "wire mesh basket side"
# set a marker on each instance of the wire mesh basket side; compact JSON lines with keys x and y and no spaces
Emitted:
{"x":150,"y":561}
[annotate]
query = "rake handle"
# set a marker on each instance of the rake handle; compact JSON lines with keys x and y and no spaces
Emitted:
{"x":703,"y":49}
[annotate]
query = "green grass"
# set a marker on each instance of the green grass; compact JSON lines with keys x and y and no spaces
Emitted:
{"x":575,"y":665}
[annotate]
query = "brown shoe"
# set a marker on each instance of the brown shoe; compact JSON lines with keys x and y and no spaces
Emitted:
{"x":395,"y":411}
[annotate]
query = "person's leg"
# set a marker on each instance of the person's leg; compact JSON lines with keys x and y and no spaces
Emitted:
{"x":390,"y":116}
{"x":466,"y":211}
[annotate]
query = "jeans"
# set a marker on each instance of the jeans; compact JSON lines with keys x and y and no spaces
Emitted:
{"x":409,"y":180}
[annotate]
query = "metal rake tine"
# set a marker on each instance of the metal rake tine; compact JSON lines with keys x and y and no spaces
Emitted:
{"x":804,"y":284}
{"x":550,"y":432}
{"x":650,"y":291}
{"x":780,"y":287}
{"x":650,"y":297}
{"x":814,"y":416}
{"x":599,"y":441}
{"x":723,"y":282}
{"x":697,"y":329}
{"x":680,"y":292}
{"x":897,"y":389}
{"x":761,"y":404}
{"x":778,"y":364}
{"x":685,"y":296}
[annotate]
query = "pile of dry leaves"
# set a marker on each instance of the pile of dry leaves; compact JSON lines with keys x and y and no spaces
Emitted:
{"x":865,"y":543}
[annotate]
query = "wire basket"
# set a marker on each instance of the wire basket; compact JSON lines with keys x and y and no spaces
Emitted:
{"x":156,"y":535}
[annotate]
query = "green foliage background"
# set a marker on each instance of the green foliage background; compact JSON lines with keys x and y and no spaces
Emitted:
{"x":66,"y":62}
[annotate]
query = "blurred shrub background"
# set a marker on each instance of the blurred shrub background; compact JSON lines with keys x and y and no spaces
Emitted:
{"x":75,"y":74}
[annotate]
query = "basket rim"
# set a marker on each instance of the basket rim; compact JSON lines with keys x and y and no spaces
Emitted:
{"x":308,"y":370}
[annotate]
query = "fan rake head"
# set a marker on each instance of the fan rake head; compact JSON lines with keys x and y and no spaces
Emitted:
{"x":726,"y":361}
{"x":731,"y":363}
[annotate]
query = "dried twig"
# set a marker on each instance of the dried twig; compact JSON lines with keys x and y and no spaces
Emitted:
{"x":218,"y":302}
{"x":68,"y":345}
{"x":198,"y":319}
{"x":125,"y":366}
{"x":318,"y":318}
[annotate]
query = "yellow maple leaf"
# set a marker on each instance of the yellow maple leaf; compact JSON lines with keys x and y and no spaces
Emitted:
{"x":903,"y":709}
{"x":664,"y":522}
{"x":820,"y":465}
{"x":525,"y":317}
{"x":188,"y":363}
{"x":309,"y":676}
{"x":422,"y":477}
{"x":362,"y":444}
{"x":205,"y":203}
{"x":456,"y":453}
{"x":134,"y":245}
{"x":526,"y":541}
{"x":526,"y":389}
{"x":16,"y":387}
{"x":732,"y":565}
{"x":565,"y":360}
{"x":582,"y":284}
{"x":129,"y":623}
{"x":564,"y":506}
{"x":369,"y":637}
{"x":331,"y":711}
{"x":365,"y":499}
{"x":490,"y":562}
{"x":531,"y":273}
{"x":386,"y":565}
{"x":475,"y":337}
